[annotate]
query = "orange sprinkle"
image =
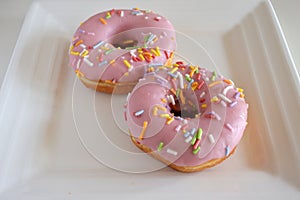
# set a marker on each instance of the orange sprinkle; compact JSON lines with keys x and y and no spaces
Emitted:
{"x":78,"y":43}
{"x":195,"y":85}
{"x":203,"y":105}
{"x":155,"y":111}
{"x":103,"y":21}
{"x":214,"y":83}
{"x":112,"y":61}
{"x":79,"y":73}
{"x":145,"y":124}
{"x":164,"y":100}
{"x":170,"y":120}
{"x":161,"y":108}
{"x":228,"y":81}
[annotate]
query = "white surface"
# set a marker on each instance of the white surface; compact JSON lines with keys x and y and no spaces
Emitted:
{"x":41,"y":156}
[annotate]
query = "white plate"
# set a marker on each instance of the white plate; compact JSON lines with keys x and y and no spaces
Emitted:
{"x":42,"y":156}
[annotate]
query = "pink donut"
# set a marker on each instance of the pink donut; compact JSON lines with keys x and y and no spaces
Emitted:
{"x":186,"y":116}
{"x":109,"y":45}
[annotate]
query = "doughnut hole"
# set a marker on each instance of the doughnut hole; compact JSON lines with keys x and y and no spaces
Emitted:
{"x":123,"y":41}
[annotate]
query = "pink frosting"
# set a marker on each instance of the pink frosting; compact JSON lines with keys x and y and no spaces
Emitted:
{"x":94,"y":53}
{"x":220,"y":107}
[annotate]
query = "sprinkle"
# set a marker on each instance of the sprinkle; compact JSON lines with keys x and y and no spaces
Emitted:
{"x":190,"y":83}
{"x":227,"y":89}
{"x":224,"y":98}
{"x":161,"y":108}
{"x":196,"y":150}
{"x":165,"y":115}
{"x":163,"y":100}
{"x":174,"y":70}
{"x":160,"y":146}
{"x":145,"y":124}
{"x":229,"y":127}
{"x":122,"y":13}
{"x":194,"y":140}
{"x":188,"y":78}
{"x":185,"y":121}
{"x":173,"y":75}
{"x":198,"y":76}
{"x":187,"y":134}
{"x":214,"y":74}
{"x":166,"y":54}
{"x":87,"y":61}
{"x":155,"y":111}
{"x":177,"y":92}
{"x":170,"y":120}
{"x":227,"y":150}
{"x":103,"y":21}
{"x":78,"y":43}
{"x":127,"y":63}
{"x":236,"y":95}
{"x":195,"y":86}
{"x":211,"y":138}
{"x":188,"y":139}
{"x":102,"y":63}
{"x":214,"y":83}
{"x":182,"y":97}
{"x":108,"y":51}
{"x":170,"y":151}
{"x":98,"y":44}
{"x":233,"y":104}
{"x":158,"y":51}
{"x":196,"y":144}
{"x":177,"y":129}
{"x":214,"y":99}
{"x":154,"y":52}
{"x":112,"y":61}
{"x":155,"y":64}
{"x":157,"y":18}
{"x":204,"y":105}
{"x":142,"y":57}
{"x":180,"y":80}
{"x":199,"y":134}
{"x":150,"y":38}
{"x":202,"y":94}
{"x":240,"y":90}
{"x":228,"y":81}
{"x":74,"y":53}
{"x":139,"y":113}
{"x":172,"y":100}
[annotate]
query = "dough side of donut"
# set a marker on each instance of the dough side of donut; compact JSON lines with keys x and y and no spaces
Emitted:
{"x":185,"y":169}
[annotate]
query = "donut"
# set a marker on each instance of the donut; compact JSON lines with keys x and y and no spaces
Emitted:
{"x":110,"y":44}
{"x":186,"y":116}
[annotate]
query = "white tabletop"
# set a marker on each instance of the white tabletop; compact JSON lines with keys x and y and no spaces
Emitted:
{"x":12,"y":14}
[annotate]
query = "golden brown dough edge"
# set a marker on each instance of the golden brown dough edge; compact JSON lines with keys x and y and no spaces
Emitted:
{"x":108,"y":87}
{"x":203,"y":166}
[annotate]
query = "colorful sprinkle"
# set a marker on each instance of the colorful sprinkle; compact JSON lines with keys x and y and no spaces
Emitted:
{"x":181,"y":85}
{"x":98,"y":44}
{"x":196,"y":144}
{"x":188,"y":139}
{"x":193,"y":131}
{"x":214,"y":83}
{"x":160,"y":146}
{"x":227,"y":150}
{"x":194,"y":140}
{"x":138,"y":113}
{"x":214,"y":75}
{"x":224,"y":98}
{"x":170,"y":120}
{"x":233,"y":104}
{"x":170,"y":151}
{"x":227,"y":89}
{"x":199,"y":134}
{"x":177,"y":129}
{"x":127,"y":63}
{"x":87,"y":61}
{"x":145,"y":124}
{"x":229,"y":127}
{"x":211,"y":138}
{"x":102,"y":63}
{"x":236,"y":95}
{"x":195,"y":151}
{"x":103,"y":21}
{"x":202,"y":94}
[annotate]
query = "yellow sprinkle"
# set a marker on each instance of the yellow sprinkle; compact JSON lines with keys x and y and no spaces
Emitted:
{"x":74,"y":53}
{"x":112,"y":61}
{"x":108,"y":81}
{"x":151,"y":69}
{"x":154,"y":52}
{"x":170,"y":120}
{"x":203,"y":105}
{"x":172,"y":90}
{"x":193,"y":71}
{"x":103,"y":21}
{"x":145,"y":124}
{"x":242,"y":95}
{"x":158,"y":51}
{"x":164,"y":100}
{"x":214,"y":99}
{"x":174,"y":70}
{"x":161,"y":108}
{"x":128,"y":42}
{"x":195,"y":85}
{"x":165,"y":115}
{"x":155,"y":39}
{"x":127,"y":63}
{"x":85,"y":53}
{"x":142,"y":57}
{"x":182,"y":97}
{"x":214,"y":83}
{"x":126,"y":74}
{"x":155,"y":111}
{"x":240,"y":90}
{"x":175,"y":65}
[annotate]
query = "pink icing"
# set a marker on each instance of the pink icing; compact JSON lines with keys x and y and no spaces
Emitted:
{"x":93,"y":55}
{"x":224,"y":118}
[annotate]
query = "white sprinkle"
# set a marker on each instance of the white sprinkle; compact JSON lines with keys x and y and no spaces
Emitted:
{"x":146,"y":17}
{"x":98,"y":44}
{"x":206,"y":78}
{"x":130,"y":69}
{"x":122,"y":13}
{"x":193,"y":131}
{"x":224,"y":98}
{"x":178,"y":128}
{"x":82,"y":45}
{"x":102,"y":63}
{"x":172,"y":100}
{"x":211,"y":138}
{"x":170,"y":151}
{"x":188,"y":139}
{"x":78,"y":64}
{"x":91,"y":33}
{"x":138,"y":113}
{"x":185,"y":121}
{"x":138,"y":14}
{"x":202,"y":94}
{"x":227,"y":89}
{"x":227,"y":125}
{"x":180,"y":80}
{"x":87,"y":61}
{"x":227,"y":150}
{"x":128,"y":97}
{"x":223,"y":103}
{"x":216,"y":115}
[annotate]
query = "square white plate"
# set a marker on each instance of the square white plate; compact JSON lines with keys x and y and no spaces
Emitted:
{"x":49,"y":136}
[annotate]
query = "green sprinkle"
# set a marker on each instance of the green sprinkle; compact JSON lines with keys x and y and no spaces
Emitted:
{"x":199,"y":133}
{"x":188,"y":78}
{"x":214,"y":75}
{"x":108,"y":16}
{"x":177,"y":92}
{"x":160,"y":146}
{"x":108,"y":51}
{"x":194,"y":140}
{"x":196,"y":150}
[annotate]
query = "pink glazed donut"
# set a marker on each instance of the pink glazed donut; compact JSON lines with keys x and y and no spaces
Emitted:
{"x":109,"y":45}
{"x":186,"y":116}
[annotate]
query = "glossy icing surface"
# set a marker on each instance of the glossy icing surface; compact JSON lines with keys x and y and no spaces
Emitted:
{"x":203,"y":120}
{"x":121,"y":43}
